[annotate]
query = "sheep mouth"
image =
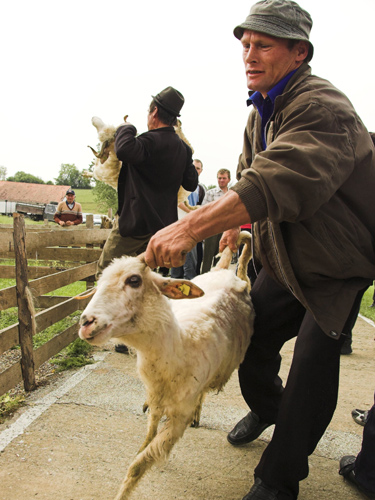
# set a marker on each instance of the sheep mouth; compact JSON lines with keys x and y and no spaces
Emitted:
{"x":98,"y":336}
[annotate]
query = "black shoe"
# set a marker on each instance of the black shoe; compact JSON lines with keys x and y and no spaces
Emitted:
{"x":346,"y":347}
{"x":360,"y":416}
{"x":347,"y":470}
{"x":247,"y":429}
{"x":260,"y":491}
{"x":124,"y":349}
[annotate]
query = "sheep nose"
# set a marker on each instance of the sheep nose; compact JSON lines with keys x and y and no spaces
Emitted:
{"x":84,"y":321}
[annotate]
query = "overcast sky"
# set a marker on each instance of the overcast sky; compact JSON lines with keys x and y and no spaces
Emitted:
{"x":64,"y":62}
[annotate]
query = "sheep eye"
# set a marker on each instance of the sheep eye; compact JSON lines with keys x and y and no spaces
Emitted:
{"x":135,"y":281}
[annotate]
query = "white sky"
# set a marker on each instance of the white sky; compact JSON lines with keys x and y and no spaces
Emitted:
{"x":65,"y":61}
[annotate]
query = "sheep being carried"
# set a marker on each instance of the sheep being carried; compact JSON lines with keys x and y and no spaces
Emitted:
{"x":184,"y":348}
{"x":107,"y":166}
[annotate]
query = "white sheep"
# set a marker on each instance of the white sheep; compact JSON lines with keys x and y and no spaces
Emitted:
{"x":184,"y":349}
{"x":107,"y":166}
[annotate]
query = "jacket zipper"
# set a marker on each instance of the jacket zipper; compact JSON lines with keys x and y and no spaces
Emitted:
{"x":278,"y":260}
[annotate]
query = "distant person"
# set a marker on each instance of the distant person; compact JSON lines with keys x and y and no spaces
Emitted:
{"x":189,"y":269}
{"x":68,"y":212}
{"x":211,"y":245}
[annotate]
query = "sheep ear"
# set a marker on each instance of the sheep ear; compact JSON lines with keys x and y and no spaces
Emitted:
{"x":177,"y":289}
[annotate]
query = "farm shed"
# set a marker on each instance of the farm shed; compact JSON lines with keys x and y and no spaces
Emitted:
{"x":31,"y":193}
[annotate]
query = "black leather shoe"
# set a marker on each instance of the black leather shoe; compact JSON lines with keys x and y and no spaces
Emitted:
{"x":347,"y":470}
{"x":247,"y":429}
{"x":260,"y":491}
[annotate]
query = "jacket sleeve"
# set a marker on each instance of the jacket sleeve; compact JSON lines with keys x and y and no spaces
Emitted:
{"x":306,"y":161}
{"x":79,"y":215}
{"x":56,"y":217}
{"x":129,"y":148}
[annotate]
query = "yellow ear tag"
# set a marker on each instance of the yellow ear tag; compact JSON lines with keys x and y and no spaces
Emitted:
{"x":185,"y":289}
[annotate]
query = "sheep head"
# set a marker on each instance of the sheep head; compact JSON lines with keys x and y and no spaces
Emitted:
{"x":127,"y":295}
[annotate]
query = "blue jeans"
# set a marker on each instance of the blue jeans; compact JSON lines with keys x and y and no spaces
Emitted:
{"x":188,"y":270}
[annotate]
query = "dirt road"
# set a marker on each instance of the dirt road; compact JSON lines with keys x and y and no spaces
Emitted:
{"x":77,"y":435}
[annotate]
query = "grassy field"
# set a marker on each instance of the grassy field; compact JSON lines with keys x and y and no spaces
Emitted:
{"x":86,"y":199}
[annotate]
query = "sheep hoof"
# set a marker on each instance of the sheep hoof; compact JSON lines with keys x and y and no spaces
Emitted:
{"x":195,"y":423}
{"x":145,"y":407}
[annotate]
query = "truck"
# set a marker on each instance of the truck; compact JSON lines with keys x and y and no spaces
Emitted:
{"x":7,"y":207}
{"x":37,"y":211}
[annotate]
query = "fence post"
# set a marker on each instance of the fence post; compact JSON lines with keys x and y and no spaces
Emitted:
{"x":26,"y":316}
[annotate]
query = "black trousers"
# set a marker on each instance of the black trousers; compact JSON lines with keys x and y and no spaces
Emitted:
{"x":304,"y":408}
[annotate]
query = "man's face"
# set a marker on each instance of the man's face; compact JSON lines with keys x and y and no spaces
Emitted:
{"x":198,"y":166}
{"x":70,"y":198}
{"x":223,"y":180}
{"x":268,"y":59}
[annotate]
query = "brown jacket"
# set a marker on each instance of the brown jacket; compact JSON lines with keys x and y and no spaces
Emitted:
{"x":312,"y":196}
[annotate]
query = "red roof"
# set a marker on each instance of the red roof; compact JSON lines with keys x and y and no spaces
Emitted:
{"x":31,"y":193}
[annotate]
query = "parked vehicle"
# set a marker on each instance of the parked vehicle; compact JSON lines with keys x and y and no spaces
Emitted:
{"x":7,"y":207}
{"x":97,"y":219}
{"x":38,"y":211}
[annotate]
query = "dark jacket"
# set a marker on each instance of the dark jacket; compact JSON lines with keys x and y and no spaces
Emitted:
{"x":154,"y":166}
{"x":311,"y":194}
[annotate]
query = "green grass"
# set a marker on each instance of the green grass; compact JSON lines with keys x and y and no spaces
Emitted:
{"x":367,"y":300}
{"x":86,"y":199}
{"x":9,"y":404}
{"x":68,"y":357}
{"x":4,"y":219}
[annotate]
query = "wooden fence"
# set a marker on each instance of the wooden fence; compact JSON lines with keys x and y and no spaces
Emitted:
{"x":64,"y":256}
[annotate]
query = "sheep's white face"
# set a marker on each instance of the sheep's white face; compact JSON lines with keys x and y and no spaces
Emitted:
{"x":117,"y":303}
{"x":126,"y":289}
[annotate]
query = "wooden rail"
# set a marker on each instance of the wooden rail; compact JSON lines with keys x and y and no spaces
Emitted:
{"x":68,"y":255}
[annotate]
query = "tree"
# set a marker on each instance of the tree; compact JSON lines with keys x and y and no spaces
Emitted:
{"x":24,"y":177}
{"x":69,"y":175}
{"x":3,"y":173}
{"x":105,"y":196}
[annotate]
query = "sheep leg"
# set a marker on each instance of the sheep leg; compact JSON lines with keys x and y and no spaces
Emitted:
{"x":158,"y":449}
{"x":198,"y":411}
{"x":152,"y":428}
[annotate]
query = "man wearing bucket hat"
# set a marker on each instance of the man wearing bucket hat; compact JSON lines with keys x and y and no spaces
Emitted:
{"x":306,"y":180}
{"x":154,"y":166}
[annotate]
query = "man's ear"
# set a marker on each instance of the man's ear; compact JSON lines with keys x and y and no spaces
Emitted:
{"x":302,"y":50}
{"x":177,"y":289}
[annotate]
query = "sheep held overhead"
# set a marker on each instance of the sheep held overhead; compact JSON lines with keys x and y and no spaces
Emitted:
{"x":184,"y":348}
{"x":107,"y":166}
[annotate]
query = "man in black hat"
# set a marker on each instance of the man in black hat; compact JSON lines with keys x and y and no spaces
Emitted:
{"x":154,"y":166}
{"x":306,"y":180}
{"x":68,"y":212}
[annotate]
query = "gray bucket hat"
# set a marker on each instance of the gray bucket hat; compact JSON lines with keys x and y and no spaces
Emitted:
{"x":278,"y":18}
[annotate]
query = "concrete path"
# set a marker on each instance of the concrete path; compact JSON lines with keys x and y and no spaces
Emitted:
{"x":76,"y":437}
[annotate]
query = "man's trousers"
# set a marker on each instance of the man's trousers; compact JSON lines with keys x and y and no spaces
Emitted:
{"x":303,"y":409}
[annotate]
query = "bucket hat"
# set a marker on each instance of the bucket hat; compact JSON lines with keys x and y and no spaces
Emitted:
{"x":278,"y":18}
{"x":171,"y":100}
